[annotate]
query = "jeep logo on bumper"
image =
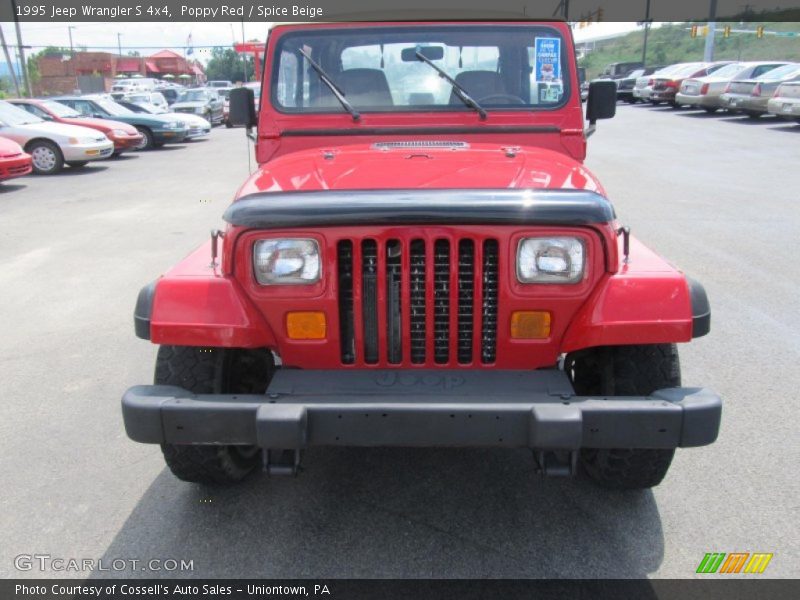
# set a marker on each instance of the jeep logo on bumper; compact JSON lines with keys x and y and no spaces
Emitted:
{"x":428,"y":380}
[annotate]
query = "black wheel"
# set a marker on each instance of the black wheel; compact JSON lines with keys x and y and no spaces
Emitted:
{"x":655,"y":102}
{"x":753,"y":114}
{"x":213,"y":370}
{"x":228,"y":124}
{"x":158,"y":144}
{"x":147,"y":142}
{"x":710,"y":109}
{"x":673,"y":104}
{"x":77,"y":164}
{"x":46,"y":157}
{"x":625,"y":371}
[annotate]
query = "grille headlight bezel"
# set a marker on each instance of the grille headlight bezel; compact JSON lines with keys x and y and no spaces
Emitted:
{"x":294,"y":261}
{"x":551,"y":260}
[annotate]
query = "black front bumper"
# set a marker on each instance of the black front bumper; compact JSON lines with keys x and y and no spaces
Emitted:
{"x":535,"y":409}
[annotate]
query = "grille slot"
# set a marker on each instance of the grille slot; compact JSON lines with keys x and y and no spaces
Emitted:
{"x":441,"y":301}
{"x":369,"y":299}
{"x":489,"y":302}
{"x":346,"y":320}
{"x":394,"y":321}
{"x":417,"y":301}
{"x":466,"y":284}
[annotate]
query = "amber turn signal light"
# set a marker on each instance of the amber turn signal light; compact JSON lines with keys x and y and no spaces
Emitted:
{"x":306,"y":325}
{"x":530,"y":324}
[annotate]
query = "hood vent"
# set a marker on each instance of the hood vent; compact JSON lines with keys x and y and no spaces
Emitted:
{"x":404,"y":145}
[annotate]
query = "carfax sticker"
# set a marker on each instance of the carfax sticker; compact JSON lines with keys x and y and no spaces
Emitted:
{"x":548,"y":59}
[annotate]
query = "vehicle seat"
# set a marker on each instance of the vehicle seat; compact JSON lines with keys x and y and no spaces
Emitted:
{"x":479,"y":84}
{"x":362,"y":87}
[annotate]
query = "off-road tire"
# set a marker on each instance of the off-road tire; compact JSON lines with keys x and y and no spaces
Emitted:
{"x":213,"y":371}
{"x":625,"y":371}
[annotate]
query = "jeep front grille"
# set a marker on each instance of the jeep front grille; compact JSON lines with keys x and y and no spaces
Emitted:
{"x":419,"y":302}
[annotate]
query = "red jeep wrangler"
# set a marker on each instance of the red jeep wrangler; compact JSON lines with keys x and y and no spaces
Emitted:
{"x":421,"y":259}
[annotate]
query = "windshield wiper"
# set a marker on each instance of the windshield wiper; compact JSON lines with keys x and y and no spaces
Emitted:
{"x":326,"y":79}
{"x":457,"y":87}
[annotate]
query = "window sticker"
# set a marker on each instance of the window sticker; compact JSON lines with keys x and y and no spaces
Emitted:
{"x":548,"y":60}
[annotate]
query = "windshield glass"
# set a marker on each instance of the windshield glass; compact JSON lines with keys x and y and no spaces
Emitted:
{"x":376,"y":68}
{"x":729,"y":71}
{"x":193,"y":96}
{"x":112,"y":108}
{"x":138,"y":98}
{"x":779,"y":73}
{"x":60,"y":110}
{"x":11,"y":115}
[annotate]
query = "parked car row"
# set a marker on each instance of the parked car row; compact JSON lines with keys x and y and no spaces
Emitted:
{"x":754,"y":88}
{"x":43,"y":135}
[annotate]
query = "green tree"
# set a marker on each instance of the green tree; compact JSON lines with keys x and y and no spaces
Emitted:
{"x":228,"y":64}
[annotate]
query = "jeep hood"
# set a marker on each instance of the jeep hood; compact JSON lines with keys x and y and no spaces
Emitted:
{"x":413,"y":164}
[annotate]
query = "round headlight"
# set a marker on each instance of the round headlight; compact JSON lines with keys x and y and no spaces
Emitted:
{"x":550,"y":260}
{"x":287,"y":261}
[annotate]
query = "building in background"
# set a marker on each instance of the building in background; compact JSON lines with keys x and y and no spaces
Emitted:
{"x":88,"y":72}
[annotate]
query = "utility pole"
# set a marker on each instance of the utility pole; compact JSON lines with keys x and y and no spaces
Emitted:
{"x":646,"y":31}
{"x":119,"y":43}
{"x":21,"y":50}
{"x":71,"y":50}
{"x":11,"y":65}
{"x":708,"y":53}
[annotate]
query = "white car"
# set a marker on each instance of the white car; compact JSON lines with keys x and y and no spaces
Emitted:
{"x":157,"y":99}
{"x":51,"y":145}
{"x":129,"y":86}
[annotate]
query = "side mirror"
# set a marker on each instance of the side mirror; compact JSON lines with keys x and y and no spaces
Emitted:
{"x":602,"y":101}
{"x":242,"y":109}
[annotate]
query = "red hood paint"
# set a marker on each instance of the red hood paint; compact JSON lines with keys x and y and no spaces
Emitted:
{"x":364,"y":166}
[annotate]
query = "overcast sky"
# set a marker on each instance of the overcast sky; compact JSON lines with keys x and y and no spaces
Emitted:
{"x":148,"y":38}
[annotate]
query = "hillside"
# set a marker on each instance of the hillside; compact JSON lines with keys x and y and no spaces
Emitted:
{"x":672,"y":43}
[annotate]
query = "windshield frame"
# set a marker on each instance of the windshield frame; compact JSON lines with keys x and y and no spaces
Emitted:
{"x":537,"y":29}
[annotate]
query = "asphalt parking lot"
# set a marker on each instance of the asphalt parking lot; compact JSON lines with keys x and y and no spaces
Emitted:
{"x":717,"y":195}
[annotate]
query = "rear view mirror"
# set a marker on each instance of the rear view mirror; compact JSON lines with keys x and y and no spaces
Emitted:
{"x":242,"y":108}
{"x":602,"y":101}
{"x":429,"y":52}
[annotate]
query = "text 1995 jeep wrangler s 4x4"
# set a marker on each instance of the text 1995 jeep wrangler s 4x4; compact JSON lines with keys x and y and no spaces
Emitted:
{"x":421,"y":259}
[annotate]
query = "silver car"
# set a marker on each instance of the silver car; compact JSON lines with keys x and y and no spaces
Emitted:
{"x":751,"y":96}
{"x":786,"y":101}
{"x":705,"y":92}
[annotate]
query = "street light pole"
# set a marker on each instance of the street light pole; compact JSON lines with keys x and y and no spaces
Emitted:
{"x":71,"y":49}
{"x":708,"y":52}
{"x":646,"y":30}
{"x":119,"y":43}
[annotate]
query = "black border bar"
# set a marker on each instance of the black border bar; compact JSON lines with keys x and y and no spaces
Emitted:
{"x":708,"y":588}
{"x":394,"y":10}
{"x":330,"y":208}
